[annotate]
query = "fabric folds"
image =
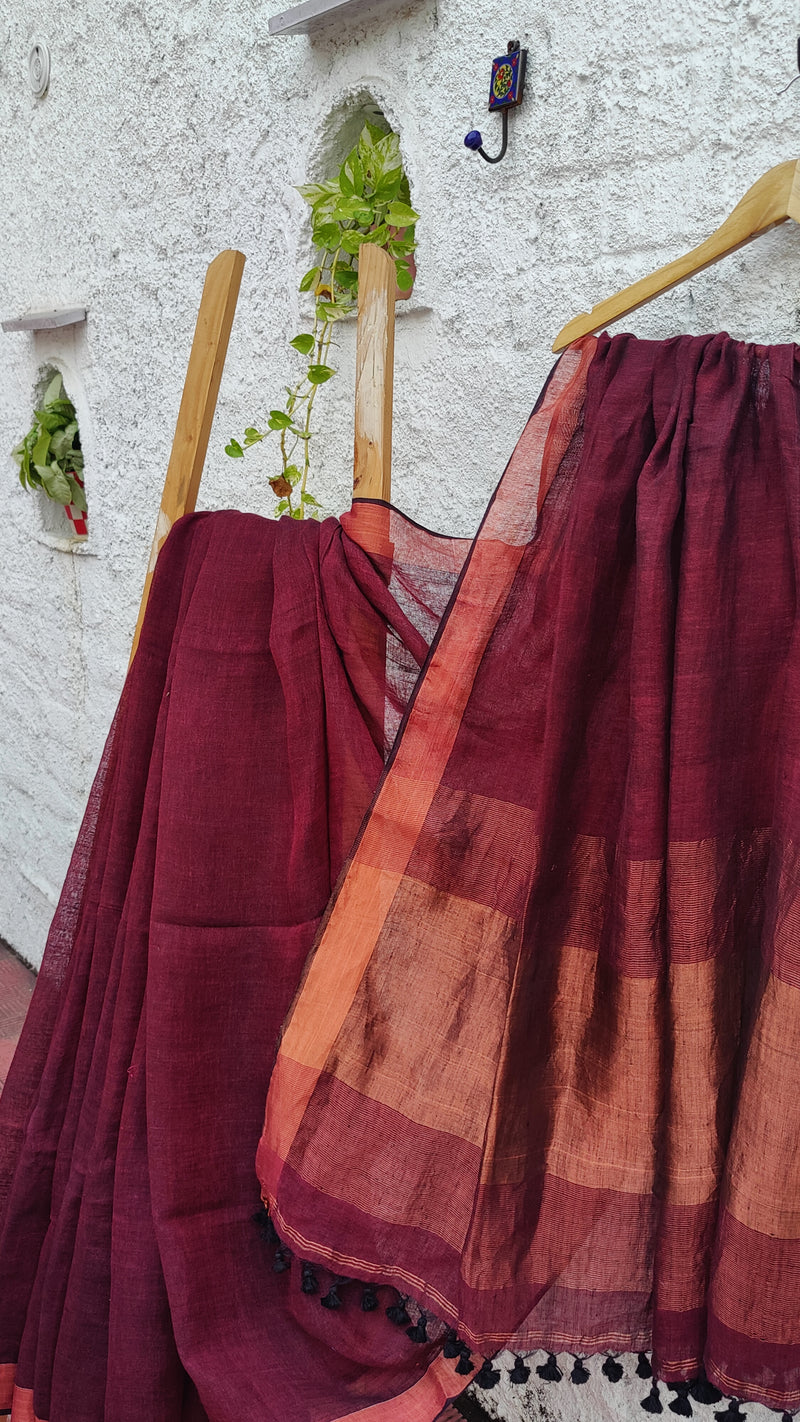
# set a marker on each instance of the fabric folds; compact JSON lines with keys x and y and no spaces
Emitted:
{"x":543,"y":1074}
{"x":274,"y":665}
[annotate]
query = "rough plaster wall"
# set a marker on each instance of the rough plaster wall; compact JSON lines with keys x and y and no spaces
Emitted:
{"x":172,"y":132}
{"x":596,"y":1401}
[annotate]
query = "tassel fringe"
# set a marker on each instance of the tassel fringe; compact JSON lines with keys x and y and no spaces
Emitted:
{"x":653,"y":1403}
{"x":550,"y":1371}
{"x":681,"y":1405}
{"x":699,"y":1389}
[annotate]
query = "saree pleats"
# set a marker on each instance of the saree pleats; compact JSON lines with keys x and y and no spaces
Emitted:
{"x":250,"y":737}
{"x":544,"y":1070}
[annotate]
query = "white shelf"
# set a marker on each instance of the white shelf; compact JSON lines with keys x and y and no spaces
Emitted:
{"x":311,"y":14}
{"x":46,"y":320}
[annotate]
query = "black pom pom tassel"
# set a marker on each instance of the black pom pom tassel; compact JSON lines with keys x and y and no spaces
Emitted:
{"x":399,"y":1314}
{"x":369,"y":1299}
{"x":309,"y":1283}
{"x":520,"y":1372}
{"x":283,"y":1260}
{"x":488,"y":1377}
{"x":643,"y":1368}
{"x":703,"y":1391}
{"x":465,"y":1365}
{"x":652,"y":1403}
{"x":452,"y":1347}
{"x":681,"y":1405}
{"x":580,"y":1373}
{"x":612,"y":1369}
{"x":550,"y":1371}
{"x":265,"y":1227}
{"x":331,"y":1299}
{"x":732,"y":1413}
{"x":419,"y":1333}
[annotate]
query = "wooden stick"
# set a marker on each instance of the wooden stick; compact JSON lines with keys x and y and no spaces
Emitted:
{"x":198,"y":403}
{"x":772,"y":199}
{"x":377,"y":292}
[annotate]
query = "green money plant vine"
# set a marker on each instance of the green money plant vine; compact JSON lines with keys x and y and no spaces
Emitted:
{"x":369,"y":201}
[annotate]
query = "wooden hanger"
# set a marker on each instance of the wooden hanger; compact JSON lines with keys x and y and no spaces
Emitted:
{"x":198,"y":403}
{"x":372,"y":459}
{"x":773,"y":199}
{"x":372,"y":454}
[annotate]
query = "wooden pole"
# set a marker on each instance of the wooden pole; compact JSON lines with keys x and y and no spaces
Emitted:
{"x":198,"y":403}
{"x":377,"y":293}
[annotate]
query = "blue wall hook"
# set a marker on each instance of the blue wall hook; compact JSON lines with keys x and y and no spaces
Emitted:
{"x":505,"y":92}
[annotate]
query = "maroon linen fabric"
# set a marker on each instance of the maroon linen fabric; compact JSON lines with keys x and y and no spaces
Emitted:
{"x":248,"y":741}
{"x":544,"y":1070}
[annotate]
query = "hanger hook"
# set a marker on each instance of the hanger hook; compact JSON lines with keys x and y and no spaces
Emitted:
{"x":505,"y":92}
{"x":474,"y":140}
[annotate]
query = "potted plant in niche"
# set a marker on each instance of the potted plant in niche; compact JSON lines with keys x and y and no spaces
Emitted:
{"x":368,"y":201}
{"x":49,"y":457}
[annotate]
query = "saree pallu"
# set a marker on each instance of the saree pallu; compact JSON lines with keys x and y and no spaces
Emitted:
{"x":274,"y":665}
{"x":543,"y":1075}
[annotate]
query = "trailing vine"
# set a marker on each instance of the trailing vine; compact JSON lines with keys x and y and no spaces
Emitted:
{"x":369,"y":201}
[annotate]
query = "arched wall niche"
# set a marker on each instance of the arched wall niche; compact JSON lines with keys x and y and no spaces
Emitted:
{"x":57,"y":528}
{"x":337,"y":132}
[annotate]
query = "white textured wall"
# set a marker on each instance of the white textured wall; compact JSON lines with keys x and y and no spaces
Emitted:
{"x":170,"y":132}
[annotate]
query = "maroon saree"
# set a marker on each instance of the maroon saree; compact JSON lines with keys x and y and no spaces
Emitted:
{"x":274,"y":665}
{"x":543,"y":1075}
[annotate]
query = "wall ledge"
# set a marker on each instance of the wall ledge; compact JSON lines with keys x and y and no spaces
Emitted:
{"x":46,"y":320}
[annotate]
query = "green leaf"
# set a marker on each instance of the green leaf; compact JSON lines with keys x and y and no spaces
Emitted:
{"x":292,"y":473}
{"x":389,"y":149}
{"x":59,"y":444}
{"x":313,"y":193}
{"x":334,"y":310}
{"x":310,"y":279}
{"x":234,"y":449}
{"x":305,"y":342}
{"x":318,"y":374}
{"x":352,"y":209}
{"x":351,"y":241}
{"x":347,"y":277}
{"x":41,"y":450}
{"x":49,"y":422}
{"x":78,"y":496}
{"x":400,"y":215}
{"x":405,"y":279}
{"x":54,"y":390}
{"x":252,"y":437}
{"x":281,"y":507}
{"x":279,"y":420}
{"x":389,"y":186}
{"x":401,"y":246}
{"x":351,"y":174}
{"x":365,"y":147}
{"x":297,"y":513}
{"x":309,"y":499}
{"x":379,"y":235}
{"x":54,"y":483}
{"x":326,"y":235}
